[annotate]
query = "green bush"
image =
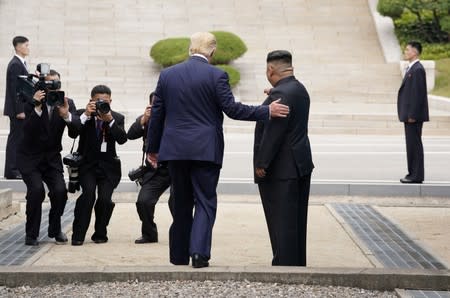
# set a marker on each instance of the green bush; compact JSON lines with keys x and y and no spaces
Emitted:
{"x":229,"y":47}
{"x":170,"y":51}
{"x":232,"y":72}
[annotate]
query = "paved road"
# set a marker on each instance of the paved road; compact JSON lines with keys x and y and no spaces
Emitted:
{"x":341,"y":158}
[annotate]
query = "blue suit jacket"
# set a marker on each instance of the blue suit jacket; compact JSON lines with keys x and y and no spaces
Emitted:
{"x":187,"y":118}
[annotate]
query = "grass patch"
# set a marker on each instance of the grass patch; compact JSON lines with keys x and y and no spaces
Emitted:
{"x":442,"y":84}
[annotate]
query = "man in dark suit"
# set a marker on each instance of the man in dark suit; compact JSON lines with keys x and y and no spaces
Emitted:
{"x":101,"y":128}
{"x":154,"y":182}
{"x":412,"y":107}
{"x":39,"y":161}
{"x":283,"y":163}
{"x":14,"y":107}
{"x":186,"y":130}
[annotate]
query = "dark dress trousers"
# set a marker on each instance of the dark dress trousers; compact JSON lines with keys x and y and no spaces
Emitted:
{"x":412,"y":102}
{"x":282,"y":148}
{"x":154,"y":184}
{"x":39,"y":161}
{"x":99,"y":171}
{"x":186,"y":130}
{"x":13,"y":106}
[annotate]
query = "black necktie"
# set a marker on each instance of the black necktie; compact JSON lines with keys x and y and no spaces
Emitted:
{"x":99,"y":128}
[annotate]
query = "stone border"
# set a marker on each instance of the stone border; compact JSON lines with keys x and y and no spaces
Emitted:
{"x":366,"y":278}
{"x":386,"y":35}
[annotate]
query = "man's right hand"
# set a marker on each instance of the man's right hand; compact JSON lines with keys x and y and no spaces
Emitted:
{"x":146,"y":116}
{"x":38,"y":97}
{"x":20,"y":116}
{"x":90,"y":108}
{"x":278,"y":110}
{"x":152,"y":158}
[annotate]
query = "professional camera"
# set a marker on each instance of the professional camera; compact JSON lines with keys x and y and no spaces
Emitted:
{"x":29,"y":84}
{"x":138,"y":174}
{"x":73,"y":161}
{"x":102,"y":106}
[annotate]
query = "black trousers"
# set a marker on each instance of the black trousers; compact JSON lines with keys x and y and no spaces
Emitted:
{"x":414,"y":151}
{"x":154,"y":184}
{"x":36,"y":194}
{"x":285,"y":204}
{"x":194,"y":184}
{"x":104,"y":206}
{"x":14,"y":138}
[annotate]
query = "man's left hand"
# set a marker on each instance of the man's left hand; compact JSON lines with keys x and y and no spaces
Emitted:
{"x":260,"y":172}
{"x":106,"y":117}
{"x":64,"y":110}
{"x":152,"y":158}
{"x":411,"y":120}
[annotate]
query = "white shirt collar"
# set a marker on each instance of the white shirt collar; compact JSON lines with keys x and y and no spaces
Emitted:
{"x":20,"y":58}
{"x":202,"y":56}
{"x":412,"y":63}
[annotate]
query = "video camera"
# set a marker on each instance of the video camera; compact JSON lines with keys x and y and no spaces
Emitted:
{"x":28,"y":85}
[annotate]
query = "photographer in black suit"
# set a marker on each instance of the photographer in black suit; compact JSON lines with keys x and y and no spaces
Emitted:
{"x":101,"y":128}
{"x":14,"y":108}
{"x":283,"y":163}
{"x":153,"y":182}
{"x":39,"y":160}
{"x":412,"y":105}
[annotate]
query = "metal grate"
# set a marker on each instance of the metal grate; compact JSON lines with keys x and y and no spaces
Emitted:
{"x":427,"y":294}
{"x":13,"y":251}
{"x":389,"y":244}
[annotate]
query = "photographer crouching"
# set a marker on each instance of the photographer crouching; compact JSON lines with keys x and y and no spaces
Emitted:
{"x":101,"y":128}
{"x":154,"y":182}
{"x":39,"y":154}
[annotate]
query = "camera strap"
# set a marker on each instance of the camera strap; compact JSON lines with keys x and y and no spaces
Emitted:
{"x":73,"y":145}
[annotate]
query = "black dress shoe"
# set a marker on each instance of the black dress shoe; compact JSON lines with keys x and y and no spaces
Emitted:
{"x":14,"y":177}
{"x":199,"y":261}
{"x":31,"y":241}
{"x":142,"y":240}
{"x":406,"y":180}
{"x":60,"y":238}
{"x":77,"y":242}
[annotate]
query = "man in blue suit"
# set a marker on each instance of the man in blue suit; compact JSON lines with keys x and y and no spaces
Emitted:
{"x":186,"y":130}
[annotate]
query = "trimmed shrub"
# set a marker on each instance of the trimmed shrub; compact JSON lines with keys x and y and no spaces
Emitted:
{"x":232,"y":72}
{"x":229,"y":47}
{"x":170,"y":51}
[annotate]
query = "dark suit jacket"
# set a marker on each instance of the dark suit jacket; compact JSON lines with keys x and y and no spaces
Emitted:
{"x":187,"y":118}
{"x":42,"y":137}
{"x":90,"y":147}
{"x":282,"y":144}
{"x":412,"y":100}
{"x":13,"y":105}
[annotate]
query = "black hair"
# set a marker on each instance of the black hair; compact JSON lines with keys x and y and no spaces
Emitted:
{"x":19,"y":39}
{"x":281,"y":56}
{"x":416,"y":45}
{"x":53,"y":72}
{"x":100,"y":89}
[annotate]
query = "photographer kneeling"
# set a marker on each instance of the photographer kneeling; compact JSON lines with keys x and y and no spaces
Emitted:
{"x":39,"y":156}
{"x":100,"y":166}
{"x":154,"y":182}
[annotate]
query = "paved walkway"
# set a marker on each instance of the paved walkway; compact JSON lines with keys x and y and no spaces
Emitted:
{"x":406,"y":230}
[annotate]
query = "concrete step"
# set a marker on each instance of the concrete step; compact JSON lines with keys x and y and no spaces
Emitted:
{"x":7,"y":206}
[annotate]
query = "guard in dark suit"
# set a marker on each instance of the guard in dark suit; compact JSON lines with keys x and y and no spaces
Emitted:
{"x":412,"y":106}
{"x":283,"y":164}
{"x":14,"y":106}
{"x":39,"y":161}
{"x":153,"y":184}
{"x":100,"y":169}
{"x":186,"y":130}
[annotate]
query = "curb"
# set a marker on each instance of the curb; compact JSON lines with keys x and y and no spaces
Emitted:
{"x":366,"y":278}
{"x":322,"y":188}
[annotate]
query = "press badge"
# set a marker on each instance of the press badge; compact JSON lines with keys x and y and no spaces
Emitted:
{"x":103,"y":147}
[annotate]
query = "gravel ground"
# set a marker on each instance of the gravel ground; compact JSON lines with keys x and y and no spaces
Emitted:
{"x":188,"y":289}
